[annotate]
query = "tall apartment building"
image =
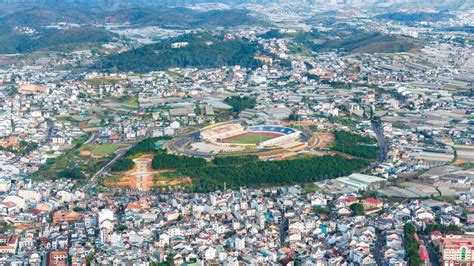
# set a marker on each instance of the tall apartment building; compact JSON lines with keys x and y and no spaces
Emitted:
{"x":458,"y":250}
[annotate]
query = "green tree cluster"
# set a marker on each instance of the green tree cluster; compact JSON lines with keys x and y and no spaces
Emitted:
{"x":202,"y":50}
{"x":294,"y":117}
{"x":410,"y":18}
{"x":240,"y":103}
{"x":442,"y":228}
{"x":357,"y":209}
{"x":355,"y":145}
{"x":272,"y":173}
{"x":53,"y":39}
{"x":171,"y":161}
{"x":227,"y":160}
{"x":144,"y":146}
{"x":73,"y":173}
{"x":411,"y":245}
{"x":122,"y":164}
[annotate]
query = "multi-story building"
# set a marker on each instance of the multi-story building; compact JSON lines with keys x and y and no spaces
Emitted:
{"x":457,"y":251}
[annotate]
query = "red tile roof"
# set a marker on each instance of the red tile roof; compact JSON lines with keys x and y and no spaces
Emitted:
{"x":350,"y":199}
{"x":423,"y":253}
{"x":372,"y":200}
{"x":8,"y":204}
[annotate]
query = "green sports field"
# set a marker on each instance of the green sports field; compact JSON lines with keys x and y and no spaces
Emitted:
{"x":249,"y":138}
{"x":105,"y":149}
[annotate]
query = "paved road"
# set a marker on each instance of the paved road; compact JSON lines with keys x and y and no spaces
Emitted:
{"x":95,"y":178}
{"x":283,"y":227}
{"x":434,"y":259}
{"x":378,"y":247}
{"x":381,"y":142}
{"x":179,"y":145}
{"x":91,"y":139}
{"x":49,"y":134}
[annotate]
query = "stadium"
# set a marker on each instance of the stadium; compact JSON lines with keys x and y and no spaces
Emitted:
{"x":263,"y":136}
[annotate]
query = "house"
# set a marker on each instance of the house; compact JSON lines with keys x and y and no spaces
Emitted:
{"x":57,"y":258}
{"x":344,"y":211}
{"x":8,"y":244}
{"x":7,"y":207}
{"x":435,"y":235}
{"x":349,"y":201}
{"x":66,"y":216}
{"x":372,"y":205}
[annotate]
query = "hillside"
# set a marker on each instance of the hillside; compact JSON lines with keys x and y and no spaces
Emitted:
{"x":134,"y":15}
{"x":371,"y":43}
{"x":411,"y":18}
{"x":202,"y":51}
{"x":347,"y":39}
{"x":53,"y":39}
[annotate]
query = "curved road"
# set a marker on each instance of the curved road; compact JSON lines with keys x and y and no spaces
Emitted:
{"x":179,"y":145}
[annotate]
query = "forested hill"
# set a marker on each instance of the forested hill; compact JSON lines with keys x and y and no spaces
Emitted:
{"x":201,"y":50}
{"x":134,"y":15}
{"x":52,"y":39}
{"x":411,"y":18}
{"x":344,"y":37}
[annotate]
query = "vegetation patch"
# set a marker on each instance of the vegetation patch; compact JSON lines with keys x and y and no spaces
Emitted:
{"x":228,"y":160}
{"x":250,"y":138}
{"x":106,"y":149}
{"x":52,"y":39}
{"x":71,"y":164}
{"x":272,"y":173}
{"x":240,"y":103}
{"x":201,"y":50}
{"x":348,"y":39}
{"x":355,"y":145}
{"x":238,"y":171}
{"x":414,"y":17}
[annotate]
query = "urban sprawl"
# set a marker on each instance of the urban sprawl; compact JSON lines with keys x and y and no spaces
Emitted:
{"x":307,"y":158}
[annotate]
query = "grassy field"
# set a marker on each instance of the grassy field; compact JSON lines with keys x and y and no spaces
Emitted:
{"x":132,"y":103}
{"x":105,"y":149}
{"x":250,"y":138}
{"x":71,"y":159}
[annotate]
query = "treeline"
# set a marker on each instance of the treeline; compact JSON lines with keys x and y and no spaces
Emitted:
{"x":227,"y":160}
{"x":352,"y":144}
{"x":171,"y":161}
{"x":240,"y":103}
{"x":442,"y":228}
{"x":272,"y":173}
{"x":73,"y":173}
{"x":411,"y":245}
{"x":145,"y":146}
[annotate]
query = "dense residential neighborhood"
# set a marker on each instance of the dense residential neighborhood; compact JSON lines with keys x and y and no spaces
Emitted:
{"x":332,"y":133}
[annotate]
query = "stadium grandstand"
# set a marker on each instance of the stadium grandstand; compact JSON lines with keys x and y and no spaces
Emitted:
{"x":286,"y":134}
{"x":221,"y":131}
{"x":260,"y":136}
